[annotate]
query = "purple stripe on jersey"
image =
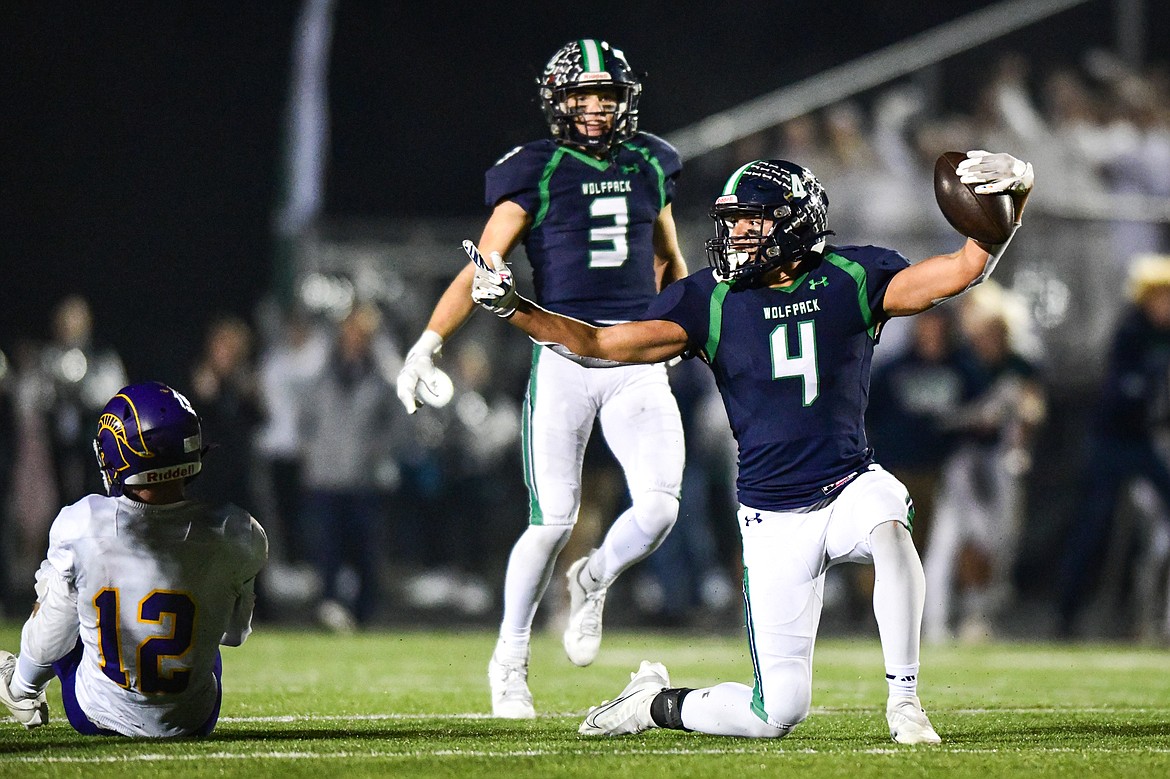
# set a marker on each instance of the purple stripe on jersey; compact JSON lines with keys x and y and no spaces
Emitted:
{"x":66,"y":670}
{"x":216,"y":671}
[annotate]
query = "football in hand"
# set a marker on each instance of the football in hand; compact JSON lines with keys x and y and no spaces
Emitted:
{"x":438,"y":392}
{"x":985,"y":218}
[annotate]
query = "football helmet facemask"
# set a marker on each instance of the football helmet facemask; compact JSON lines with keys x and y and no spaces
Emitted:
{"x":779,"y":191}
{"x":583,"y":66}
{"x":148,"y":433}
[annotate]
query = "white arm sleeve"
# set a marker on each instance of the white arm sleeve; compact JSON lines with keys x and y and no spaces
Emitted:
{"x":240,"y":624}
{"x":995,"y":251}
{"x":51,"y":632}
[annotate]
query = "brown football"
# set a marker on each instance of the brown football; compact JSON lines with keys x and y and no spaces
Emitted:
{"x":986,"y":218}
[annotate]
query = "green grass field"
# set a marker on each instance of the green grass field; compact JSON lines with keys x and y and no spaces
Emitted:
{"x":415,"y":704}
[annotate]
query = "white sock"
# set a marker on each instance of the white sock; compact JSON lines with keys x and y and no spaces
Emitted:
{"x":530,"y":567}
{"x":899,"y":592}
{"x":902,"y":680}
{"x":20,"y":686}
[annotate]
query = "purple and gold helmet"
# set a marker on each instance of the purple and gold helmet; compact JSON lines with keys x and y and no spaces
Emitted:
{"x":148,"y":433}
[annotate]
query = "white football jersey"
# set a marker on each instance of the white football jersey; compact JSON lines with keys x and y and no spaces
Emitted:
{"x":158,"y":589}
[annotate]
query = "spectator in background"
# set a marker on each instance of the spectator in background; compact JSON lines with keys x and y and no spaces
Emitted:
{"x":284,"y":373}
{"x":475,"y":492}
{"x":83,"y":375}
{"x":913,"y":397}
{"x":8,"y":444}
{"x":1102,"y":131}
{"x":346,"y":421}
{"x":1132,"y":412}
{"x":33,"y":501}
{"x":225,"y":389}
{"x":1140,"y":164}
{"x":980,"y":503}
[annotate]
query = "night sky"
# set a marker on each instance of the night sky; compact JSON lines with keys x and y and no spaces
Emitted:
{"x":142,"y":146}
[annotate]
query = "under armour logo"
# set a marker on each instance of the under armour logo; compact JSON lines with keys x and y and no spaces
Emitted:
{"x":747,"y":521}
{"x":823,"y":281}
{"x":629,"y":168}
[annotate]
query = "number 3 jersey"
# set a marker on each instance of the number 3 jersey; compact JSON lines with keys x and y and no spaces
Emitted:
{"x":590,"y":241}
{"x":792,"y":364}
{"x":158,"y":588}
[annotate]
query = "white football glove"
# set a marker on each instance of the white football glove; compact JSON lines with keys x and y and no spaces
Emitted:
{"x":995,"y":172}
{"x":420,"y":381}
{"x":495,"y":290}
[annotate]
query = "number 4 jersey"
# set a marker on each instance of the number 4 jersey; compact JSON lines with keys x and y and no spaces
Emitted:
{"x":158,"y":589}
{"x":590,"y":240}
{"x":792,"y":364}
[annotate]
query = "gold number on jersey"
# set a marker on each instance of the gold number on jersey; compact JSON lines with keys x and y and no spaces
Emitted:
{"x":174,"y":614}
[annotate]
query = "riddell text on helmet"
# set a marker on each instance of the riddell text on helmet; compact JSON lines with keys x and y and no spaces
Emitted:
{"x":178,"y":472}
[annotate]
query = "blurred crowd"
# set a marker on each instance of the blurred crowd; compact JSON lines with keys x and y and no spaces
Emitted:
{"x":374,"y":515}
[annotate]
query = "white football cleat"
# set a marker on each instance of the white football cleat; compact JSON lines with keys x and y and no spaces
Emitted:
{"x":30,"y":712}
{"x":511,"y":698}
{"x":582,"y":639}
{"x":909,"y":723}
{"x":630,"y":711}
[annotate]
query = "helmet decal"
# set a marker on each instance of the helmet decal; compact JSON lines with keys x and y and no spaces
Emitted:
{"x":110,"y":423}
{"x":591,"y":55}
{"x":147,"y":433}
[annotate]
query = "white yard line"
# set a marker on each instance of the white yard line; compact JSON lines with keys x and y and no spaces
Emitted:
{"x":291,"y":718}
{"x":476,"y":753}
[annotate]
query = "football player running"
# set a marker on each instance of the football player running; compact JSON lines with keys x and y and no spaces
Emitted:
{"x":787,"y":323}
{"x":140,"y":587}
{"x":592,"y":206}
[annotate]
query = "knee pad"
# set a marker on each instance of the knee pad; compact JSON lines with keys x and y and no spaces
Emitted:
{"x":891,"y":541}
{"x":545,"y":540}
{"x":555,"y":505}
{"x":768,"y":730}
{"x":786,"y":680}
{"x":655,"y":513}
{"x":787,"y":711}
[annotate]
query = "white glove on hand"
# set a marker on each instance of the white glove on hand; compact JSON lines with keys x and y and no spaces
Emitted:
{"x":495,"y":290}
{"x":420,"y":381}
{"x":995,"y":172}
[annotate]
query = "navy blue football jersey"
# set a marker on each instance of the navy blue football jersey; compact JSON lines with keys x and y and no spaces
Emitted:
{"x":792,"y":364}
{"x":591,"y":239}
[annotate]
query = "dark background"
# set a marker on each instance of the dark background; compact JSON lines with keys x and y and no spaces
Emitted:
{"x":142,"y":141}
